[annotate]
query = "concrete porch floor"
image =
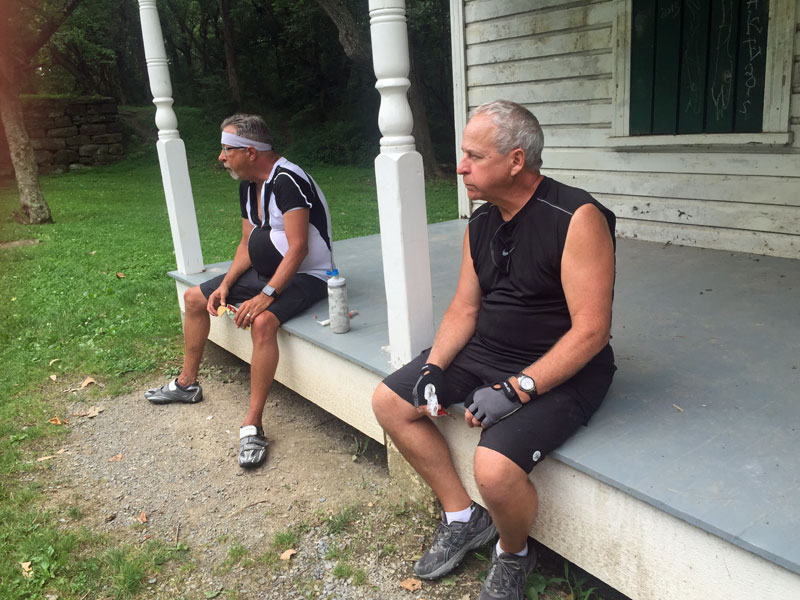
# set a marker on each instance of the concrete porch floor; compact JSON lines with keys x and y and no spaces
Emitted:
{"x":703,"y":419}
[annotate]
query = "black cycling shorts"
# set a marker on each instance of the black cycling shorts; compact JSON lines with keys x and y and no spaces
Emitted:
{"x":303,"y":291}
{"x":540,"y":426}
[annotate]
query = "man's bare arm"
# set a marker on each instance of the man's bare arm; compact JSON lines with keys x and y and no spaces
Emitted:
{"x":587,"y":276}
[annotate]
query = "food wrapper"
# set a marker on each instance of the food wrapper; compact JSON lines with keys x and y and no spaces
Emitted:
{"x":434,"y":409}
{"x":228,"y":309}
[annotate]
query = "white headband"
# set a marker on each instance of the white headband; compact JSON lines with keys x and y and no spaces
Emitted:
{"x":231,"y":139}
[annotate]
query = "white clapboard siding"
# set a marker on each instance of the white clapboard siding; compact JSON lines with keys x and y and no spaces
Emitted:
{"x":539,"y":69}
{"x":545,"y":91}
{"x":586,"y":136}
{"x":516,"y":26}
{"x":481,"y":10}
{"x":724,"y":188}
{"x":735,"y":240}
{"x":545,"y":45}
{"x":732,"y":215}
{"x":794,"y":111}
{"x":567,"y":113}
{"x":740,"y":163}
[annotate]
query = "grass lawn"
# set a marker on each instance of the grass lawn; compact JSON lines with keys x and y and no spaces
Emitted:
{"x":92,"y":299}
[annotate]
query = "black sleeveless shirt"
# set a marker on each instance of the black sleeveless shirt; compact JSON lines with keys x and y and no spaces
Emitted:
{"x":523,"y":310}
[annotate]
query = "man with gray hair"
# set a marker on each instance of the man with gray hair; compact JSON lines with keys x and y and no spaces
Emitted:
{"x":523,"y":344}
{"x":280,"y":268}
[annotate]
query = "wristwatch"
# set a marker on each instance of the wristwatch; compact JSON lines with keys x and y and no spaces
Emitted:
{"x":527,"y":385}
{"x":270,"y":291}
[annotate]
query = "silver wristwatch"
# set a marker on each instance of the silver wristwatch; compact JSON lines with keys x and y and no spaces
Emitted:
{"x":270,"y":291}
{"x":527,"y":385}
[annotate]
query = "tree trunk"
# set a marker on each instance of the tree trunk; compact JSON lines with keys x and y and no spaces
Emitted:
{"x":421,"y":131}
{"x":230,"y":54}
{"x":33,"y":207}
{"x":358,"y":49}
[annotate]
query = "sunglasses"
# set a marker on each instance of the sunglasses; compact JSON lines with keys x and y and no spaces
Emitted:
{"x":501,"y":249}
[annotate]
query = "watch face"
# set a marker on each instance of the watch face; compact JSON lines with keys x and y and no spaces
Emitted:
{"x":526,"y":384}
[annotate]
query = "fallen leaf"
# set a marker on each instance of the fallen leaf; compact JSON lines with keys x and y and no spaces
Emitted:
{"x":370,"y":504}
{"x":26,"y":569}
{"x":58,"y":421}
{"x":79,"y":414}
{"x":288,"y":554}
{"x":115,"y":458}
{"x":411,"y":584}
{"x":50,"y":364}
{"x":53,"y":377}
{"x":87,"y":381}
{"x":110,"y":517}
{"x":121,"y":275}
{"x":43,"y":458}
{"x":143,"y":517}
{"x":94,"y":411}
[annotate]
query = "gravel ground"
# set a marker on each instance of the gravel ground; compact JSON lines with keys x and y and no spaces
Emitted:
{"x":141,"y":472}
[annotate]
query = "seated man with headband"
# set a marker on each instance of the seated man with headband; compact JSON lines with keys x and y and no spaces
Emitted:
{"x":279,"y":270}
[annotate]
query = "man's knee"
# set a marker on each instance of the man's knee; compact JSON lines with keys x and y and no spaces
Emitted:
{"x":389,"y":407}
{"x":194,"y":300}
{"x":265,"y":327}
{"x":497,"y":475}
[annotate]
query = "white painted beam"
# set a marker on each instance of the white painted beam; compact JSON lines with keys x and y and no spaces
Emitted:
{"x":400,"y":182}
{"x":171,"y":151}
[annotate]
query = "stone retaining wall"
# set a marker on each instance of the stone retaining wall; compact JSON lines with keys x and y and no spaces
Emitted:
{"x":69,"y":133}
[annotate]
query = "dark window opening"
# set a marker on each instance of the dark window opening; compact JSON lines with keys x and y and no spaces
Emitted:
{"x":698,"y":66}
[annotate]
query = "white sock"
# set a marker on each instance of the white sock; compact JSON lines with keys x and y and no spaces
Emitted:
{"x":521,"y":553}
{"x":461,"y":515}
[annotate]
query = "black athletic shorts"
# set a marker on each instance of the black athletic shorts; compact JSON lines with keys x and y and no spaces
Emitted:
{"x":540,"y":426}
{"x":303,"y":291}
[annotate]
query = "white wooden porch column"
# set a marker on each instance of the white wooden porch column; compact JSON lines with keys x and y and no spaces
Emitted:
{"x":171,"y":151}
{"x":400,"y":182}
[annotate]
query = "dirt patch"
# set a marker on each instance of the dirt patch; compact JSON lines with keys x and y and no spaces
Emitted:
{"x":141,"y":472}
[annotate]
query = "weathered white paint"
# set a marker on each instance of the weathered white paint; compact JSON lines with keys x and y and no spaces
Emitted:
{"x":719,"y":238}
{"x":458,"y":49}
{"x":569,"y":114}
{"x":540,"y":69}
{"x":559,"y":90}
{"x":569,"y":64}
{"x":782,"y":17}
{"x":352,"y":403}
{"x":709,"y":213}
{"x":545,"y":45}
{"x":750,"y":189}
{"x":400,"y":183}
{"x":171,"y":151}
{"x":639,"y":550}
{"x":734,"y":163}
{"x":590,"y":16}
{"x":479,"y":10}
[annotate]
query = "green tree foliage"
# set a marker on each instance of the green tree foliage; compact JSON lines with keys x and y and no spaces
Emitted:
{"x":289,"y":62}
{"x":97,"y":51}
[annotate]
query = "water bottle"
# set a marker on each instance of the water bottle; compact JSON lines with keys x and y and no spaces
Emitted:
{"x":338,"y":311}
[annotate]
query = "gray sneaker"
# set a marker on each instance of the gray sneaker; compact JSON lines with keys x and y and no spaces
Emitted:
{"x":174,"y":392}
{"x":452,"y":542}
{"x":252,"y":446}
{"x":507,"y":575}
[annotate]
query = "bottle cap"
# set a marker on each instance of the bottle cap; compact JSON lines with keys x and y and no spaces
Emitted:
{"x":332,"y":273}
